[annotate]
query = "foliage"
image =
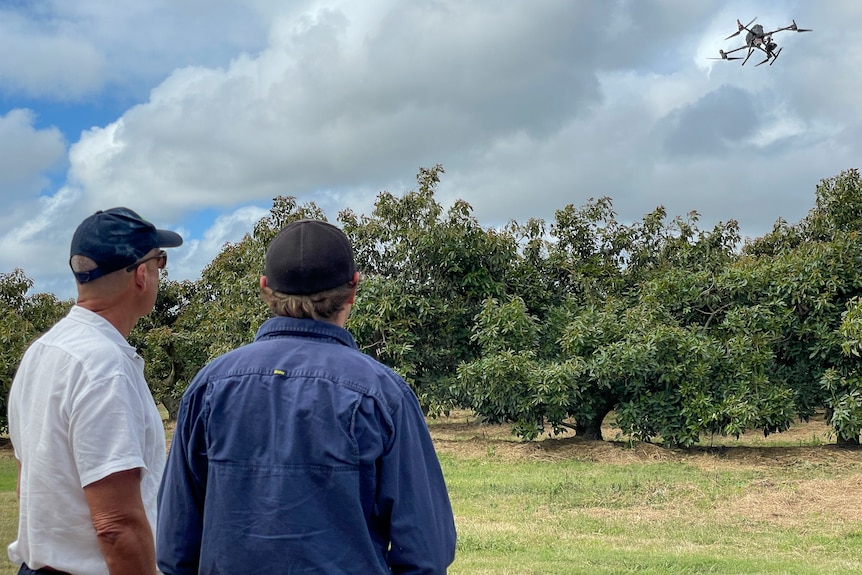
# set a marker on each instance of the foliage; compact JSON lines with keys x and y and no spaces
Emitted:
{"x":683,"y":332}
{"x":509,"y":383}
{"x":426,"y":274}
{"x":173,"y":351}
{"x":626,"y":322}
{"x":843,"y":383}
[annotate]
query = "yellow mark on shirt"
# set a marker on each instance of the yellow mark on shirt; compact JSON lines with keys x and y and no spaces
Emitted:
{"x":277,"y":372}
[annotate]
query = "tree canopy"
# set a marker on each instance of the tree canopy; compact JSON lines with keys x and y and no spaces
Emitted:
{"x":682,"y":333}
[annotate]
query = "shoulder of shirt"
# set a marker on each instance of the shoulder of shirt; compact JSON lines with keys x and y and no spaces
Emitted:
{"x":84,"y":343}
{"x":360,"y":372}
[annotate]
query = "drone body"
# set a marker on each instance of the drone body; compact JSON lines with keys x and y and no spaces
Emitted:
{"x":757,"y":39}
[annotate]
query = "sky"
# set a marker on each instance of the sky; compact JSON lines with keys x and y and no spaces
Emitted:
{"x":196,"y":114}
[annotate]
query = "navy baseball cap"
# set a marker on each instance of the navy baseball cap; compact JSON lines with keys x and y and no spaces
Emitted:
{"x":116,"y":239}
{"x":309,"y":256}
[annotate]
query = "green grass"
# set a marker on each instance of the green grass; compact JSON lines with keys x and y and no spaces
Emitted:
{"x":8,"y":473}
{"x":521,"y":510}
{"x":570,"y":517}
{"x":8,"y":507}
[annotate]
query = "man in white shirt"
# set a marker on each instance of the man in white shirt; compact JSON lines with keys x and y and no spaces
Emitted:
{"x":86,"y":432}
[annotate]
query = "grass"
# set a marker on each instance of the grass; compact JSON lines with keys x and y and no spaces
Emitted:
{"x":779,"y":505}
{"x":8,"y":506}
{"x":573,"y":517}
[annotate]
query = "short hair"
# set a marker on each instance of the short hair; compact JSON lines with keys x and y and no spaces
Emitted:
{"x":321,"y":306}
{"x":108,"y":282}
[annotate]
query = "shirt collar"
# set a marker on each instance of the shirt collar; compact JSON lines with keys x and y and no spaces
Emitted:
{"x":288,"y":326}
{"x":91,"y":318}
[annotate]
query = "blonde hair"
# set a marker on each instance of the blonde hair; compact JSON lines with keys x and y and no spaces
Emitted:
{"x":321,"y":306}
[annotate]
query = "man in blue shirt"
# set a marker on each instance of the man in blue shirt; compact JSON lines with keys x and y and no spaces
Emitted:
{"x":298,"y":453}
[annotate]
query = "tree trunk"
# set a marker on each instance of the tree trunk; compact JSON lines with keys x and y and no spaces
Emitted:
{"x":852,"y":442}
{"x":172,"y":406}
{"x":592,"y":427}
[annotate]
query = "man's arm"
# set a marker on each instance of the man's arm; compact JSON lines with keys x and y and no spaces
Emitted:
{"x":413,"y":492}
{"x":179,"y":528}
{"x":122,"y":529}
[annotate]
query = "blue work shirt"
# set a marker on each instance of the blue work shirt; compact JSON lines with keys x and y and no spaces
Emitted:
{"x":300,"y":454}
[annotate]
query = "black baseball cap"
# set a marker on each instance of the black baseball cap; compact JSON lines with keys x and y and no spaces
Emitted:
{"x":116,"y":239}
{"x":309,"y":256}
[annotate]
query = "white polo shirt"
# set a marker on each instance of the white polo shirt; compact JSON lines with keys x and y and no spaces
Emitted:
{"x":79,"y":410}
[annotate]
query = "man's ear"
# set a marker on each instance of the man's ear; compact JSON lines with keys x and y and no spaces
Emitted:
{"x":355,"y":283}
{"x":262,"y":282}
{"x":141,"y":273}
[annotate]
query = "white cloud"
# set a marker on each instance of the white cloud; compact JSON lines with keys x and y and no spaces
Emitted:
{"x":36,"y":238}
{"x":41,"y":60}
{"x":329,"y":106}
{"x":59,"y":50}
{"x":187,"y":261}
{"x":26,"y":154}
{"x":529,"y":107}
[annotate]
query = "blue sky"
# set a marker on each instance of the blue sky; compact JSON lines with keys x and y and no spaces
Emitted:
{"x":196,"y":113}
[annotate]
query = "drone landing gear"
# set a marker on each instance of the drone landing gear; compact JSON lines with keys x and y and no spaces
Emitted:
{"x":776,"y":56}
{"x":770,"y":57}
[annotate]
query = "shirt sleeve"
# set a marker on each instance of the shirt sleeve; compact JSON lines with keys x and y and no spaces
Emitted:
{"x":107,"y":429}
{"x":413,"y":491}
{"x":181,"y":495}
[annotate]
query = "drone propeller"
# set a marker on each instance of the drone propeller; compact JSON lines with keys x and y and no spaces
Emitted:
{"x":741,"y":28}
{"x":794,"y":28}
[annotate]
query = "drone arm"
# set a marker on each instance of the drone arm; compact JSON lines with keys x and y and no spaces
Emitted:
{"x":741,"y":27}
{"x":793,"y":27}
{"x":735,"y":50}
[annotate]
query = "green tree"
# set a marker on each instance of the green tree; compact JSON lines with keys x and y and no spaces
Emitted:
{"x":843,"y":383}
{"x":425,"y":276}
{"x":553,"y":326}
{"x":510,"y":381}
{"x":812,"y":271}
{"x":623,"y":311}
{"x":173,"y":350}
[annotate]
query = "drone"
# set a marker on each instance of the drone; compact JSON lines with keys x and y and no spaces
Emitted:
{"x":757,"y":39}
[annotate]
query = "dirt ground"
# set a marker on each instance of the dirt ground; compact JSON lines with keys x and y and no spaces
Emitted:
{"x":806,"y":443}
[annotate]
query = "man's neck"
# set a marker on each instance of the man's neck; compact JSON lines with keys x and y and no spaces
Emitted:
{"x":114,"y":314}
